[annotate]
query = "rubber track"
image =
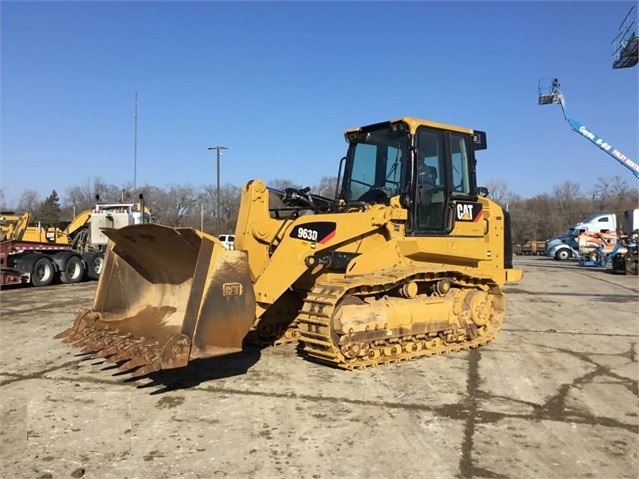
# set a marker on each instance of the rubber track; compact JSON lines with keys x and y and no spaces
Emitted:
{"x":315,"y":328}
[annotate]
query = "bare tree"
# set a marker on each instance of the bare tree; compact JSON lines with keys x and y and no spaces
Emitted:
{"x":229,"y":207}
{"x":498,"y":191}
{"x":175,"y":205}
{"x":83,"y":197}
{"x":326,"y":187}
{"x":622,"y":196}
{"x":281,"y":184}
{"x":152,"y":197}
{"x":569,"y":204}
{"x":601,"y":193}
{"x":533,"y":219}
{"x":29,"y":201}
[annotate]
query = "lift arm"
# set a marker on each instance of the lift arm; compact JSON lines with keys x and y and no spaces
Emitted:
{"x":552,"y":94}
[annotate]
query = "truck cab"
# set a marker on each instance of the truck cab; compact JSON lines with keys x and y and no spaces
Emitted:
{"x":565,"y":246}
{"x":600,"y":223}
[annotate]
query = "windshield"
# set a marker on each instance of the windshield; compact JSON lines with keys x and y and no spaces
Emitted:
{"x":376,"y":166}
{"x":575,"y":232}
{"x":591,"y":219}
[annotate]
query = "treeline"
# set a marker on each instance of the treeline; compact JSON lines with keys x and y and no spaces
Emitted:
{"x":546,"y":215}
{"x":536,"y":218}
{"x":174,"y":205}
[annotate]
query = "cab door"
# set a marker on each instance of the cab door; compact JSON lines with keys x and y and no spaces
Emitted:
{"x":444,"y":187}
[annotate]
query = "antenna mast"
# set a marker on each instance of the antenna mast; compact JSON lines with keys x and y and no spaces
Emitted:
{"x":135,"y":142}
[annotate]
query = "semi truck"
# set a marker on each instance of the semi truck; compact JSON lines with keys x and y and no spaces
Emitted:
{"x":68,"y":256}
{"x":566,"y":246}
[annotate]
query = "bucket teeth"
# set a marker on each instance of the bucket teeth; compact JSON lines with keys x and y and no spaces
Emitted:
{"x":139,"y":355}
{"x":73,"y":329}
{"x":84,"y":319}
{"x":149,"y":356}
{"x":89,"y":340}
{"x":125,"y":352}
{"x":112,"y":346}
{"x":108,"y":345}
{"x":64,"y":334}
{"x":148,"y":369}
{"x":95,"y":341}
{"x":80,"y":337}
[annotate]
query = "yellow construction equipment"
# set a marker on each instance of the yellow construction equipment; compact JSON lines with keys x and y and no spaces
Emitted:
{"x":17,"y":228}
{"x":408,"y":260}
{"x":38,"y":255}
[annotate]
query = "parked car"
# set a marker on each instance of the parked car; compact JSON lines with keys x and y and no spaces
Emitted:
{"x":228,"y":241}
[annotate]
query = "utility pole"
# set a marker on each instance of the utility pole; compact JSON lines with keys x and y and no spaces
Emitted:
{"x":217,"y":156}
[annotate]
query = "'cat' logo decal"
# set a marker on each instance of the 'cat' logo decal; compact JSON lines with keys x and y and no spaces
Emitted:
{"x":471,"y":212}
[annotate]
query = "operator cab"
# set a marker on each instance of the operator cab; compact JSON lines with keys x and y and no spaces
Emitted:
{"x":429,"y":166}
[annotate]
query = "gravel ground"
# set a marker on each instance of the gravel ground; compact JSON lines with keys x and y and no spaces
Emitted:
{"x":555,"y":395}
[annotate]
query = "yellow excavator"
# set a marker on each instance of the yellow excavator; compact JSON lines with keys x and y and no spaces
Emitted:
{"x":12,"y":224}
{"x":39,"y":254}
{"x":18,"y":228}
{"x":407,"y":260}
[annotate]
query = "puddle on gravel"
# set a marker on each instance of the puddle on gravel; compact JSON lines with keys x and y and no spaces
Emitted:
{"x":170,"y":402}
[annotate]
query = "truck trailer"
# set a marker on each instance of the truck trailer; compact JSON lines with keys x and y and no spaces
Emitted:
{"x":68,"y":256}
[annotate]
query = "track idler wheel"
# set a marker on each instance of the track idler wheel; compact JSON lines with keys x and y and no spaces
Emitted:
{"x":353,"y":350}
{"x":480,"y":305}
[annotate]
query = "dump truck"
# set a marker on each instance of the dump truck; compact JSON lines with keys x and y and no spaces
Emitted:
{"x":398,"y":265}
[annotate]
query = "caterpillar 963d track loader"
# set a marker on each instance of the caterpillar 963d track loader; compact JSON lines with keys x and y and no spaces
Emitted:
{"x":408,"y":260}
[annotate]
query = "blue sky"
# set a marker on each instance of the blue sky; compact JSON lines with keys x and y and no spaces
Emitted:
{"x":279,"y":82}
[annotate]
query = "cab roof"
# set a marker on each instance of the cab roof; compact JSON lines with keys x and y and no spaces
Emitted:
{"x":413,"y":124}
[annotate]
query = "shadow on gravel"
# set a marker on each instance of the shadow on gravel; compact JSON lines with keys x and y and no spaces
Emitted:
{"x":572,"y":265}
{"x":197,"y":371}
{"x":203,"y":370}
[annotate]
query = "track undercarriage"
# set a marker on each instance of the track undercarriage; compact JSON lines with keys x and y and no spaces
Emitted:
{"x":361,"y":322}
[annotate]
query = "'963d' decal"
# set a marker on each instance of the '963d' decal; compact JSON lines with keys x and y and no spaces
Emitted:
{"x":319,"y":232}
{"x":471,"y":212}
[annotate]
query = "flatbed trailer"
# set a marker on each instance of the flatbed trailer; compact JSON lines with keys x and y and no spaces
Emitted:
{"x":79,"y":256}
{"x":40,"y":264}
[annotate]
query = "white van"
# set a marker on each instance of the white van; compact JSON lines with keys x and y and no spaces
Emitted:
{"x":228,"y":241}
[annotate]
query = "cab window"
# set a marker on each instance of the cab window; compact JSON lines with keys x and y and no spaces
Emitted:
{"x":431,"y":179}
{"x":460,"y":164}
{"x":377,"y":167}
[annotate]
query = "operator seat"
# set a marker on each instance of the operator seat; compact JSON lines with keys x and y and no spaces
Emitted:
{"x":428,"y":177}
{"x":431,"y":199}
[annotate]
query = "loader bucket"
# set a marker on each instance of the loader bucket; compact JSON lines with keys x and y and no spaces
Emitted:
{"x":166,"y":296}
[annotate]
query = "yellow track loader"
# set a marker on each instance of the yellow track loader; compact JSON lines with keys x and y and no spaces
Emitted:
{"x":407,"y":260}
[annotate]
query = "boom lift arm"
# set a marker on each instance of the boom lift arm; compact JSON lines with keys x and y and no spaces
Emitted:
{"x":549,"y":93}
